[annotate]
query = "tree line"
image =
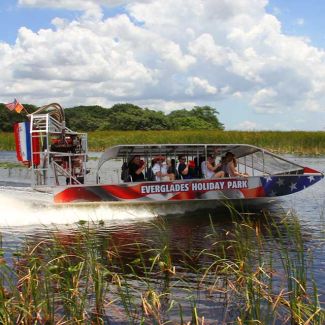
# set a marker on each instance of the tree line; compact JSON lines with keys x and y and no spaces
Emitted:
{"x":124,"y":117}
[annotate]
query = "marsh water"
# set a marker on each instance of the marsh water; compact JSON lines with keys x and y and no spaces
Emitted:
{"x":28,"y":218}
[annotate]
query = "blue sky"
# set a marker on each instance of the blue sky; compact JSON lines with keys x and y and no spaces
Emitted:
{"x":260,"y":64}
{"x":301,"y":18}
{"x":13,"y":16}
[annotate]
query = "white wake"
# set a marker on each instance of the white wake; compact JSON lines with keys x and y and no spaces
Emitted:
{"x":23,"y":207}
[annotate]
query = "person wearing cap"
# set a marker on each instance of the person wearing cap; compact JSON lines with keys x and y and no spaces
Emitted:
{"x":159,"y":169}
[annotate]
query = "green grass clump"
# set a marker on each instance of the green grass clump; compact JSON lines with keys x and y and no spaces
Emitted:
{"x":7,"y":141}
{"x":8,"y":165}
{"x":298,"y":142}
{"x":266,"y":276}
{"x":254,"y":272}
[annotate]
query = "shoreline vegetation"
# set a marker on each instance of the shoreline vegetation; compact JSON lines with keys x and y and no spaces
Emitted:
{"x":125,"y":117}
{"x":256,"y":272}
{"x":289,"y":142}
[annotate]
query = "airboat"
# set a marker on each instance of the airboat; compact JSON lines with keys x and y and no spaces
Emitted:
{"x":59,"y":162}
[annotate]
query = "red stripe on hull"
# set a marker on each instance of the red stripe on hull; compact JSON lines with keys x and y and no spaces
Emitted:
{"x":75,"y":194}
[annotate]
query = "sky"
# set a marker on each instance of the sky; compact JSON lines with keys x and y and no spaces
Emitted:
{"x":259,"y":63}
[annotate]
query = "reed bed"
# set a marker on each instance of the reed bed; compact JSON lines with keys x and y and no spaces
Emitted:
{"x":7,"y":141}
{"x":295,"y":142}
{"x":252,"y":273}
{"x":9,"y":165}
{"x":299,"y":142}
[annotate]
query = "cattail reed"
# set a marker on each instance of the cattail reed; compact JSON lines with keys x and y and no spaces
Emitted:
{"x":257,"y":270}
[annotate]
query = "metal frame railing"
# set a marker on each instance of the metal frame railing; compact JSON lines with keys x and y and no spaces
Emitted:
{"x":50,"y":166}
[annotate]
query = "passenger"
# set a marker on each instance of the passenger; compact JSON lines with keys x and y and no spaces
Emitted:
{"x":186,"y":171}
{"x":136,"y":168}
{"x":231,"y":166}
{"x":192,"y":169}
{"x":211,"y":170}
{"x":196,"y":168}
{"x":150,"y":176}
{"x":125,"y":172}
{"x":203,"y":169}
{"x":201,"y":160}
{"x":171,"y":169}
{"x":160,"y":170}
{"x":224,"y":166}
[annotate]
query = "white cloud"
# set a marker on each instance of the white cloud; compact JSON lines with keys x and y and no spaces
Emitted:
{"x":247,"y":126}
{"x":205,"y":48}
{"x":166,"y":106}
{"x":264,"y":100}
{"x":165,"y":52}
{"x":71,"y":4}
{"x":199,"y":86}
{"x":91,"y":8}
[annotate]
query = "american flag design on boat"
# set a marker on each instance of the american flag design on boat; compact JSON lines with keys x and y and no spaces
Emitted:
{"x":283,"y":185}
{"x":231,"y":188}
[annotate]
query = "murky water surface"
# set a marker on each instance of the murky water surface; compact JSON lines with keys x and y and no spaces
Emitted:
{"x":26,"y":217}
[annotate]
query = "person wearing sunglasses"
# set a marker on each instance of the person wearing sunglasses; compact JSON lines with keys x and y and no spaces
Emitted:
{"x":185,"y":170}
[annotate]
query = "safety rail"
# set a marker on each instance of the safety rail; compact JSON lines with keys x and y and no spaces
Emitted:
{"x":63,"y":172}
{"x":58,"y":154}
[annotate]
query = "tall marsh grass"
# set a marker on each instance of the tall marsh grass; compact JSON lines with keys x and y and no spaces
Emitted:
{"x":283,"y":142}
{"x":254,"y":272}
{"x":298,"y":142}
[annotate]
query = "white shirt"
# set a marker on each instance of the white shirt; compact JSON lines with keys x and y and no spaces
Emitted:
{"x":206,"y":172}
{"x":159,"y":168}
{"x":204,"y":168}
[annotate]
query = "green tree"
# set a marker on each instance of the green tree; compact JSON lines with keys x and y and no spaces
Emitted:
{"x":200,"y":117}
{"x":86,"y":118}
{"x":132,"y":117}
{"x":9,"y":118}
{"x":208,"y":114}
{"x":124,"y":116}
{"x":188,"y":123}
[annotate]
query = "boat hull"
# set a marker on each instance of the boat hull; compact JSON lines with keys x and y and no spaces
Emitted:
{"x":188,"y":190}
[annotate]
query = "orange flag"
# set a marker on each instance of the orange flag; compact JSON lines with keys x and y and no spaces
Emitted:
{"x":15,"y":105}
